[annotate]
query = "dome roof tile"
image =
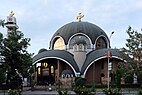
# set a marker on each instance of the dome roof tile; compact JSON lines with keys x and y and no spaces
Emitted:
{"x":68,"y":30}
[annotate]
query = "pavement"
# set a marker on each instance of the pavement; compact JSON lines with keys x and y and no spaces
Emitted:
{"x":38,"y":91}
{"x":56,"y":93}
{"x":44,"y":91}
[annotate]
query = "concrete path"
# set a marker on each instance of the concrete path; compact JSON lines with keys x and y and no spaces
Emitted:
{"x":27,"y":91}
{"x":39,"y":93}
{"x":56,"y":93}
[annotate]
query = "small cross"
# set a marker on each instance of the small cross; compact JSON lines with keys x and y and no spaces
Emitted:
{"x":11,"y":14}
{"x":79,"y":17}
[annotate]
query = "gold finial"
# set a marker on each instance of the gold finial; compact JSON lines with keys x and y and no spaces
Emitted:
{"x":11,"y":14}
{"x":79,"y":16}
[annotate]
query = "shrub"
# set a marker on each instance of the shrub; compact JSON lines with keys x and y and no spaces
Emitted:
{"x":140,"y":92}
{"x":62,"y":92}
{"x":83,"y":90}
{"x":118,"y":78}
{"x":110,"y":91}
{"x":131,"y":85}
{"x":129,"y":79}
{"x":14,"y":92}
{"x":2,"y":75}
{"x":80,"y":81}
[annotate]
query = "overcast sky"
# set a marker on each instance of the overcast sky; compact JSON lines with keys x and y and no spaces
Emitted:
{"x":40,"y":19}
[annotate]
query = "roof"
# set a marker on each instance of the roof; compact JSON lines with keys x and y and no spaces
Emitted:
{"x":57,"y":54}
{"x":68,"y":57}
{"x":99,"y":54}
{"x":42,"y":50}
{"x":89,"y":29}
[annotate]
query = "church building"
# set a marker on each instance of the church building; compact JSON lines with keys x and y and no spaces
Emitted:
{"x":77,"y":49}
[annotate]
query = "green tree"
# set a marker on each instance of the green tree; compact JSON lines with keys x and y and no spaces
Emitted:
{"x":134,"y":52}
{"x":118,"y":77}
{"x":2,"y":23}
{"x":2,"y":76}
{"x":14,"y":49}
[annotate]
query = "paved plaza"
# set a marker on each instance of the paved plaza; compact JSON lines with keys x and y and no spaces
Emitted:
{"x":56,"y":93}
{"x":41,"y":90}
{"x":27,"y":91}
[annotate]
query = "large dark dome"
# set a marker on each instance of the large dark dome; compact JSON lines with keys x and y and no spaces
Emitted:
{"x":68,"y":30}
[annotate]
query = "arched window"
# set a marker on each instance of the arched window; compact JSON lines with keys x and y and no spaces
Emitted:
{"x":80,"y":39}
{"x":67,"y":75}
{"x":59,"y":44}
{"x":45,"y":64}
{"x":52,"y":69}
{"x":80,"y":47}
{"x":72,"y":75}
{"x":101,"y":43}
{"x":39,"y":71}
{"x":75,"y":47}
{"x":63,"y":76}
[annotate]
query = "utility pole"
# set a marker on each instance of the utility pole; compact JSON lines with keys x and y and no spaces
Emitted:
{"x":109,"y":58}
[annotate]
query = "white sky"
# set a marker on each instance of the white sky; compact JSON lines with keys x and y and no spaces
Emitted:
{"x":39,"y":19}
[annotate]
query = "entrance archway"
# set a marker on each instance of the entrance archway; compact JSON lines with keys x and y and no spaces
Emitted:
{"x":48,"y":71}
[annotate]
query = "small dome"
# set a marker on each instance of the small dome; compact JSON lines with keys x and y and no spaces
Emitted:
{"x":67,"y":72}
{"x":80,"y":42}
{"x":42,"y":50}
{"x":70,"y":29}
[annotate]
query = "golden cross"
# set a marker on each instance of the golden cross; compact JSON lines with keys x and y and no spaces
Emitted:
{"x":11,"y":14}
{"x":79,"y":17}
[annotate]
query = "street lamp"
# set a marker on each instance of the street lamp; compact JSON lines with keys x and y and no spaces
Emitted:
{"x":109,"y":56}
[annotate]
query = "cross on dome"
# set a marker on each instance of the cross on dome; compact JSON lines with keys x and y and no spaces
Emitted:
{"x":11,"y":14}
{"x":79,"y":16}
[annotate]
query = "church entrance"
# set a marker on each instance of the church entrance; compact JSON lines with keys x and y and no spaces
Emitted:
{"x":50,"y":71}
{"x":46,"y":72}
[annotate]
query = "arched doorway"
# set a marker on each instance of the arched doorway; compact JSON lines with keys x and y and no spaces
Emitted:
{"x":46,"y":71}
{"x":49,"y":71}
{"x":96,"y":71}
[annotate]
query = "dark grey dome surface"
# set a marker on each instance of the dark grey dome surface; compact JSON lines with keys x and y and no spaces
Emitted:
{"x":68,"y":30}
{"x":96,"y":54}
{"x":79,"y":42}
{"x":66,"y":71}
{"x":42,"y":50}
{"x":61,"y":54}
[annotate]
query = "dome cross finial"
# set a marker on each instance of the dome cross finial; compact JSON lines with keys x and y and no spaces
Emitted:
{"x":79,"y":16}
{"x":11,"y":14}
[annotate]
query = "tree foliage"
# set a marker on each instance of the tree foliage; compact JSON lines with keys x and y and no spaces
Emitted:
{"x":13,"y":48}
{"x":134,"y":52}
{"x":2,"y":76}
{"x":118,"y":77}
{"x":2,"y":23}
{"x":79,"y":81}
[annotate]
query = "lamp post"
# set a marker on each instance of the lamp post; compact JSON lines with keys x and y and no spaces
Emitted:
{"x":109,"y":57}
